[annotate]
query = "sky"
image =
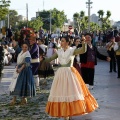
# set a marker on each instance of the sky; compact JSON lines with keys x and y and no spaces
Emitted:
{"x":69,"y":7}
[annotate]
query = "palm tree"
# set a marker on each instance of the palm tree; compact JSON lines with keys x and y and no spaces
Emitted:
{"x":78,"y":18}
{"x":76,"y":15}
{"x":82,"y":14}
{"x":92,"y":26}
{"x":86,"y":18}
{"x":100,"y":13}
{"x":108,"y":14}
{"x":104,"y":27}
{"x":105,"y":20}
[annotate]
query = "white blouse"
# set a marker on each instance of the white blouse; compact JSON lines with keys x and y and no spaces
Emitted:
{"x":65,"y":57}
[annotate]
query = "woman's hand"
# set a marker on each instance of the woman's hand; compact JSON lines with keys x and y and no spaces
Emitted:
{"x":108,"y":59}
{"x":16,"y":67}
{"x":7,"y":54}
{"x":41,"y":58}
{"x":18,"y":70}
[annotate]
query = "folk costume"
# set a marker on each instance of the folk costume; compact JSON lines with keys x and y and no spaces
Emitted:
{"x":34,"y":51}
{"x":88,"y":61}
{"x":117,"y":51}
{"x":111,"y":53}
{"x":58,"y":46}
{"x":51,"y":49}
{"x":69,"y":95}
{"x":76,"y":62}
{"x":23,"y":86}
{"x":45,"y":69}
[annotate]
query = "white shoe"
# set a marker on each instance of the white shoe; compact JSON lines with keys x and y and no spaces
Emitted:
{"x":90,"y":87}
{"x":87,"y":86}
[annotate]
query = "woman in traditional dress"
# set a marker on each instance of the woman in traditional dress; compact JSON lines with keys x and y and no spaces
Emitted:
{"x":42,"y":45}
{"x":51,"y":50}
{"x":117,"y":51}
{"x":69,"y":96}
{"x":76,"y":62}
{"x":25,"y":86}
{"x":57,"y":42}
{"x":45,"y":69}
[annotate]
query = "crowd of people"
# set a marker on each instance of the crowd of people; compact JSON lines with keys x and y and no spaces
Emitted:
{"x":74,"y":55}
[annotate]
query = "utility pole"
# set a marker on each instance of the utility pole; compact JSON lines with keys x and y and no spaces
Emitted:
{"x":50,"y":21}
{"x":73,"y":23}
{"x":27,"y":13}
{"x":8,"y":20}
{"x":8,"y":16}
{"x":43,"y":5}
{"x":89,"y":8}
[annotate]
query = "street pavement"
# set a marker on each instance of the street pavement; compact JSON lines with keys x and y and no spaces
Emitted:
{"x":106,"y":91}
{"x":6,"y":79}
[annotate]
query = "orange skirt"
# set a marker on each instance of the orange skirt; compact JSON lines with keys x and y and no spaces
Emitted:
{"x":69,"y":96}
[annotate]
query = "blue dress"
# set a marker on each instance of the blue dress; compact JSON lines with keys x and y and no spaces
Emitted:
{"x":25,"y":86}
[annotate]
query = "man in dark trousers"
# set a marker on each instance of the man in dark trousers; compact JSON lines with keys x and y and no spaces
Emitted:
{"x":9,"y":34}
{"x":110,"y":49}
{"x":89,"y":60}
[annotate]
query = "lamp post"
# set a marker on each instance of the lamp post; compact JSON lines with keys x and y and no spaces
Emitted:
{"x":43,"y":5}
{"x":50,"y":22}
{"x":27,"y":13}
{"x":89,"y":8}
{"x":8,"y":20}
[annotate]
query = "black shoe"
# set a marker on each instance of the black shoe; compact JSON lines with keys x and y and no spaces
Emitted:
{"x":118,"y":77}
{"x":115,"y":71}
{"x":110,"y":71}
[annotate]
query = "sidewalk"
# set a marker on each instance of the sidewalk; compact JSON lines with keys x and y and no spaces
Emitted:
{"x":107,"y":93}
{"x":6,"y":78}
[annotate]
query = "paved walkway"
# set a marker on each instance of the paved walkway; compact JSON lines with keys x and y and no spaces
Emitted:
{"x":6,"y":78}
{"x":106,"y":91}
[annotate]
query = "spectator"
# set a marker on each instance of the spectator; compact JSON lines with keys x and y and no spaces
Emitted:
{"x":7,"y":56}
{"x":17,"y":50}
{"x":41,"y":32}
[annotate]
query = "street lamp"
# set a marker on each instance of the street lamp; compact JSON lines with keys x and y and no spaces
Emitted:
{"x":89,"y":7}
{"x":9,"y":18}
{"x":43,"y":5}
{"x":50,"y":22}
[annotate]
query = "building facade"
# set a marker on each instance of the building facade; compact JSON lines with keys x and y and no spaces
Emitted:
{"x":22,"y":18}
